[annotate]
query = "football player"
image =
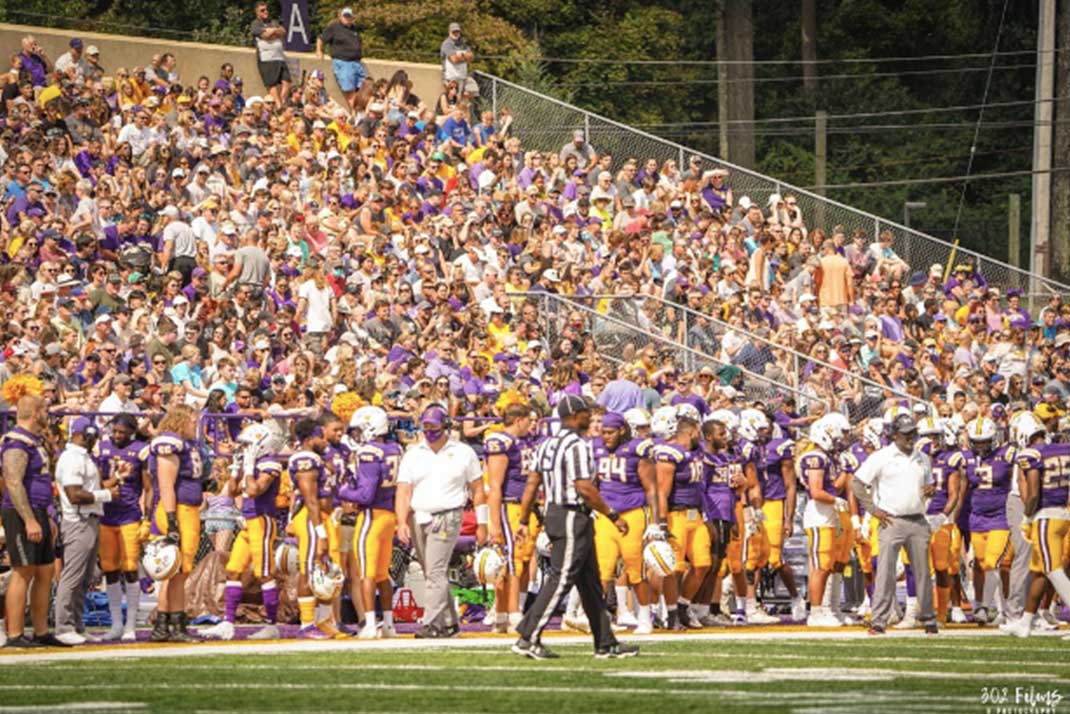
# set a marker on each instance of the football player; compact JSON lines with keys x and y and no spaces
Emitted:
{"x":311,"y":506}
{"x":722,"y":475}
{"x":989,"y":470}
{"x":175,"y":466}
{"x":256,"y":478}
{"x":948,"y":464}
{"x":679,"y":472}
{"x":627,"y":483}
{"x":123,"y":526}
{"x":373,"y":491}
{"x":865,"y":532}
{"x":337,"y":459}
{"x":821,"y":517}
{"x":1046,"y":473}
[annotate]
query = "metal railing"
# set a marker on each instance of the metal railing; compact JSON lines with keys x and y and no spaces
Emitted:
{"x":547,"y":124}
{"x":621,"y":341}
{"x":698,"y":330}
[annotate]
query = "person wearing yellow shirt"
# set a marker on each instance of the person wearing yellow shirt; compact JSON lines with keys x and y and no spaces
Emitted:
{"x":440,"y":168}
{"x":297,"y":136}
{"x":498,"y":328}
{"x":340,"y":127}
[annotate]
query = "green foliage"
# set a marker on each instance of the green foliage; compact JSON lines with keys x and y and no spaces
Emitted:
{"x":230,"y":29}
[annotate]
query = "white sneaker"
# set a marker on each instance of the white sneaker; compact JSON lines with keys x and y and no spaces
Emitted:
{"x":958,"y":616}
{"x":617,"y":627}
{"x":1049,"y":618}
{"x":90,"y":639}
{"x":368,"y":632}
{"x":114,"y":633}
{"x":907,"y":623}
{"x":643,"y":628}
{"x":980,"y":616}
{"x":999,"y":620}
{"x":268,"y":632}
{"x":896,"y":615}
{"x":129,"y":634}
{"x":575,"y":623}
{"x":222,"y":631}
{"x":627,"y":619}
{"x":820,"y":620}
{"x":490,"y":618}
{"x":798,"y":610}
{"x":71,"y":638}
{"x":1018,"y":628}
{"x":761,"y":617}
{"x":387,"y":632}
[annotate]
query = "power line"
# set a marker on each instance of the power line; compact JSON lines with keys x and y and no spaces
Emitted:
{"x":871,"y":128}
{"x":938,"y":179}
{"x":799,"y":78}
{"x":927,"y":158}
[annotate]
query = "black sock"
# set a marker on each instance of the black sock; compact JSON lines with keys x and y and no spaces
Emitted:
{"x":715,"y":608}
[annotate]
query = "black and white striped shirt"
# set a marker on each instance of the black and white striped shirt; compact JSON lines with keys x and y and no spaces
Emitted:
{"x":561,"y":460}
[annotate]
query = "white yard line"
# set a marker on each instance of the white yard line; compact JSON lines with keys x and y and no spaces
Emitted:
{"x":73,"y":707}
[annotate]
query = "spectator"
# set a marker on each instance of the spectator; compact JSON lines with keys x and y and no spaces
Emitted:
{"x":456,"y":54}
{"x":270,"y":57}
{"x":837,"y":286}
{"x":72,"y":63}
{"x":346,"y":50}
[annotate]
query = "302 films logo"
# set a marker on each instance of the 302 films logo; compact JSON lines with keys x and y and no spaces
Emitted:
{"x":1020,"y":700}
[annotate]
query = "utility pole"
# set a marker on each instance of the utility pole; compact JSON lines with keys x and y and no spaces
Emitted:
{"x":1040,"y":232}
{"x":735,"y":55}
{"x":820,"y":163}
{"x":1060,"y":179}
{"x":1014,"y":229}
{"x":809,"y":45}
{"x":722,"y":81}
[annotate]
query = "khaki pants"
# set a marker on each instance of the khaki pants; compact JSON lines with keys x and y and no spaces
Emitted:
{"x":912,"y":533}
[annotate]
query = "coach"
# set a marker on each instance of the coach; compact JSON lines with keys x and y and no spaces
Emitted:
{"x":436,"y":478}
{"x":893,"y":485}
{"x":564,"y":464}
{"x":82,"y":499}
{"x":28,"y":528}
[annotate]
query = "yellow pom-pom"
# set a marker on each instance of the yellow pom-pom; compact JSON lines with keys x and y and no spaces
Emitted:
{"x":507,"y":399}
{"x":19,"y":386}
{"x":343,"y":405}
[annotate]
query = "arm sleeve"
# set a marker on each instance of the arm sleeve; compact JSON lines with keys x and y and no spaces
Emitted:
{"x":369,"y":475}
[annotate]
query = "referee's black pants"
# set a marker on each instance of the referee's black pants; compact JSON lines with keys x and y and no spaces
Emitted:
{"x":572,"y":562}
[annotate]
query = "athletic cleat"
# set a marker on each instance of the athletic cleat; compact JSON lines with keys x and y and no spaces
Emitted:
{"x":980,"y":617}
{"x":50,"y":640}
{"x":798,"y":610}
{"x":643,"y":628}
{"x":999,"y":621}
{"x":129,"y":635}
{"x":368,"y":632}
{"x":387,"y":632}
{"x":269,"y":632}
{"x":113,"y":634}
{"x":683,"y":615}
{"x":22,"y":642}
{"x":617,"y":651}
{"x":761,"y":617}
{"x":909,"y":622}
{"x":1041,"y":624}
{"x":312,"y":632}
{"x":491,"y":618}
{"x":329,"y":627}
{"x":1017,"y":628}
{"x":932,"y":629}
{"x":221,"y":631}
{"x":575,"y":623}
{"x":1048,"y":618}
{"x":532,"y":650}
{"x":958,"y":616}
{"x":616,"y":627}
{"x":718,"y":620}
{"x":627,"y":619}
{"x":819,"y":620}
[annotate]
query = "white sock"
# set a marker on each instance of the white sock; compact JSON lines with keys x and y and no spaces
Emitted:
{"x":515,"y":618}
{"x":644,"y":615}
{"x":1061,"y":583}
{"x":1027,"y":618}
{"x":115,"y":603}
{"x":622,"y":599}
{"x":501,"y":617}
{"x":750,"y":605}
{"x":699,"y":610}
{"x":912,"y":605}
{"x":388,"y":618}
{"x":369,"y":618}
{"x":661,"y":607}
{"x":133,"y":601}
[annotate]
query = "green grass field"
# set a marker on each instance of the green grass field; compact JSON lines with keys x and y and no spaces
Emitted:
{"x":681,"y":674}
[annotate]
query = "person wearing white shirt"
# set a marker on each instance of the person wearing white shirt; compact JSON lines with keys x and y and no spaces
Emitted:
{"x":119,"y":401}
{"x":316,"y":306}
{"x":139,"y":135}
{"x":436,"y":478}
{"x":893,"y":485}
{"x":82,"y":498}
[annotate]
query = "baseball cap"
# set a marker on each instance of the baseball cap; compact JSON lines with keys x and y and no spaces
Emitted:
{"x":904,"y":424}
{"x":434,"y":415}
{"x":83,"y":425}
{"x":936,"y":270}
{"x":455,"y":27}
{"x":76,"y":43}
{"x":92,"y":50}
{"x":52,"y":349}
{"x":571,"y":405}
{"x":347,"y":11}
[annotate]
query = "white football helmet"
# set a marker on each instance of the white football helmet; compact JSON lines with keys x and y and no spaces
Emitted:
{"x":543,"y":546}
{"x":659,"y":558}
{"x":663,"y":422}
{"x":488,"y":564}
{"x":751,"y":424}
{"x":981,"y":429}
{"x":688,"y":411}
{"x":824,"y":435}
{"x":287,"y":558}
{"x":326,"y":581}
{"x":726,"y":417}
{"x":872,"y":432}
{"x":892,"y":412}
{"x":372,"y":422}
{"x":930,"y":426}
{"x":161,"y":559}
{"x":637,"y":417}
{"x":1028,"y":426}
{"x":259,"y":439}
{"x":951,"y":434}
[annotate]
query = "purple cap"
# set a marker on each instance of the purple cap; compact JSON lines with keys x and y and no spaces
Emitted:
{"x":81,"y":425}
{"x":199,"y":272}
{"x":434,"y":416}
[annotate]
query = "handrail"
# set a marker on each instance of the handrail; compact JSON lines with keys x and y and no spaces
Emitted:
{"x":568,"y":302}
{"x":1026,"y":279}
{"x":847,"y":374}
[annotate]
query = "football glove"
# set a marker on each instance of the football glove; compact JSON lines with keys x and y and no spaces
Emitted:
{"x":841,"y":505}
{"x":172,"y":527}
{"x":653,"y":532}
{"x":937,"y":521}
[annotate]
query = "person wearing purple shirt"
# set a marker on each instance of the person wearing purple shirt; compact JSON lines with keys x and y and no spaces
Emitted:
{"x":684,"y":395}
{"x":34,"y":61}
{"x":23,"y":204}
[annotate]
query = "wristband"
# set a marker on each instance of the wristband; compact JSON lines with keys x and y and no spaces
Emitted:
{"x":102,"y":496}
{"x":172,"y":522}
{"x":482,"y":514}
{"x":321,"y":532}
{"x":613,"y":515}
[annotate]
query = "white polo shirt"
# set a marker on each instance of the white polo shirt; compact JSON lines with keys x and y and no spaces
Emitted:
{"x":439,"y":480}
{"x":76,"y":467}
{"x":897,"y":480}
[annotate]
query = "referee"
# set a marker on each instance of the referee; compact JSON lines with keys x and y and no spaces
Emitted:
{"x":564,"y":465}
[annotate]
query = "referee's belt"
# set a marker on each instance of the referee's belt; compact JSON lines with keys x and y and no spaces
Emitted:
{"x":578,"y":508}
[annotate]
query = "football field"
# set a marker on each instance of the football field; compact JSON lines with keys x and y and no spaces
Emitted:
{"x":768,"y":670}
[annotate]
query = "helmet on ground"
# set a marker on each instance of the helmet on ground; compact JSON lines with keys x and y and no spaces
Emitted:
{"x":287,"y":558}
{"x":663,"y":422}
{"x":488,"y":564}
{"x":326,"y":581}
{"x":752,"y":422}
{"x":161,"y":559}
{"x":659,"y":558}
{"x":637,"y":417}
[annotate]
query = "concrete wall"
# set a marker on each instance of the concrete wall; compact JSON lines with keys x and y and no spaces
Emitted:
{"x":196,"y":59}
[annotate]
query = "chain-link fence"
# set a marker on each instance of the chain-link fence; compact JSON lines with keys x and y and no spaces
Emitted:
{"x":547,"y":124}
{"x":619,"y":340}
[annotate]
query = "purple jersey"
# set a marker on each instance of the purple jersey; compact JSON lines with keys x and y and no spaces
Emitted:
{"x":685,"y":491}
{"x":850,"y":461}
{"x":264,"y":504}
{"x":819,"y":461}
{"x":36,"y":479}
{"x":377,"y":474}
{"x":618,"y":473}
{"x":528,"y":446}
{"x":306,"y":460}
{"x":188,"y":486}
{"x":110,"y":459}
{"x":718,"y":499}
{"x":990,"y":484}
{"x":502,"y":443}
{"x":945,"y":464}
{"x":339,"y":458}
{"x":1053,"y":462}
{"x":777,"y":452}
